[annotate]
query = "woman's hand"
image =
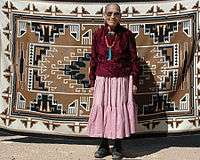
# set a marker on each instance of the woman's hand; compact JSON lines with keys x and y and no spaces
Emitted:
{"x":91,"y":90}
{"x":134,"y":89}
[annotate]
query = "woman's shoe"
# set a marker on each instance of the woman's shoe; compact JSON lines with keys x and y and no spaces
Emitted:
{"x":116,"y":153}
{"x":102,"y":152}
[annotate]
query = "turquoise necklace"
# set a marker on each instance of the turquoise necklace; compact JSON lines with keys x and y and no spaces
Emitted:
{"x":109,"y":54}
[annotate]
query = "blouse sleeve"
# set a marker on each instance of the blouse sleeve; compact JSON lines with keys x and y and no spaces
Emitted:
{"x":93,"y":62}
{"x":135,"y":68}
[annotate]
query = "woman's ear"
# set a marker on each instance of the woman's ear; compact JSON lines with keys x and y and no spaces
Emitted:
{"x":104,"y":16}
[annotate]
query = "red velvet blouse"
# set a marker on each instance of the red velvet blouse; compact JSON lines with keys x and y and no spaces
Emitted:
{"x":124,"y":60}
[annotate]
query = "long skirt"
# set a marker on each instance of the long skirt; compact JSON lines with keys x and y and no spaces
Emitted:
{"x":114,"y":111}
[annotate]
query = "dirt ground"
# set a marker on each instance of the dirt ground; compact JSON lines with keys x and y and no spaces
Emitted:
{"x":20,"y":147}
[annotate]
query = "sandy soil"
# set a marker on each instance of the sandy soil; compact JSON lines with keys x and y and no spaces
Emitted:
{"x":18,"y":147}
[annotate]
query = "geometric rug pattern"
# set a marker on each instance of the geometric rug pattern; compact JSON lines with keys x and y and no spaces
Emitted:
{"x":45,"y":53}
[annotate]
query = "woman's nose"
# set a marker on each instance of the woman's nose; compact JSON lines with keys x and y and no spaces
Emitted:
{"x":112,"y":15}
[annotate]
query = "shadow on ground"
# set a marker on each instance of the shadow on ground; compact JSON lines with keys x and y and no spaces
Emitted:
{"x":132,"y":147}
{"x":141,"y":147}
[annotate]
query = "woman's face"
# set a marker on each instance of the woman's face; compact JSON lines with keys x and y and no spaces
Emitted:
{"x":112,"y":16}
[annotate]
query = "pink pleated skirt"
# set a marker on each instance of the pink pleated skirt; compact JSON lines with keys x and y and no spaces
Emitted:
{"x":114,"y":111}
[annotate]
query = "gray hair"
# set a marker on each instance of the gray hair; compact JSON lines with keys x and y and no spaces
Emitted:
{"x":110,"y":4}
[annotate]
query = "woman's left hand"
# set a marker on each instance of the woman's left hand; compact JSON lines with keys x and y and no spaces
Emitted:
{"x":134,"y":89}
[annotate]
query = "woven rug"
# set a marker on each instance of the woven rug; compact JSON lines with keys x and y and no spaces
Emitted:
{"x":45,"y":53}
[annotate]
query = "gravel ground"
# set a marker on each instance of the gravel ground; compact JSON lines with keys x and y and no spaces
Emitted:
{"x":18,"y":147}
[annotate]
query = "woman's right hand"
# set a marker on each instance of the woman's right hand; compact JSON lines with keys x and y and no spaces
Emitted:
{"x":91,"y":90}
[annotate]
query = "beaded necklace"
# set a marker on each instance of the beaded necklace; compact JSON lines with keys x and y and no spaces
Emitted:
{"x":109,"y":54}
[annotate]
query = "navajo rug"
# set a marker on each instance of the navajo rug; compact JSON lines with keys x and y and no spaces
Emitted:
{"x":45,"y":52}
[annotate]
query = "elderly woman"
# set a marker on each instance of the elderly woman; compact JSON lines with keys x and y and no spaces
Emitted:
{"x":113,"y":80}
